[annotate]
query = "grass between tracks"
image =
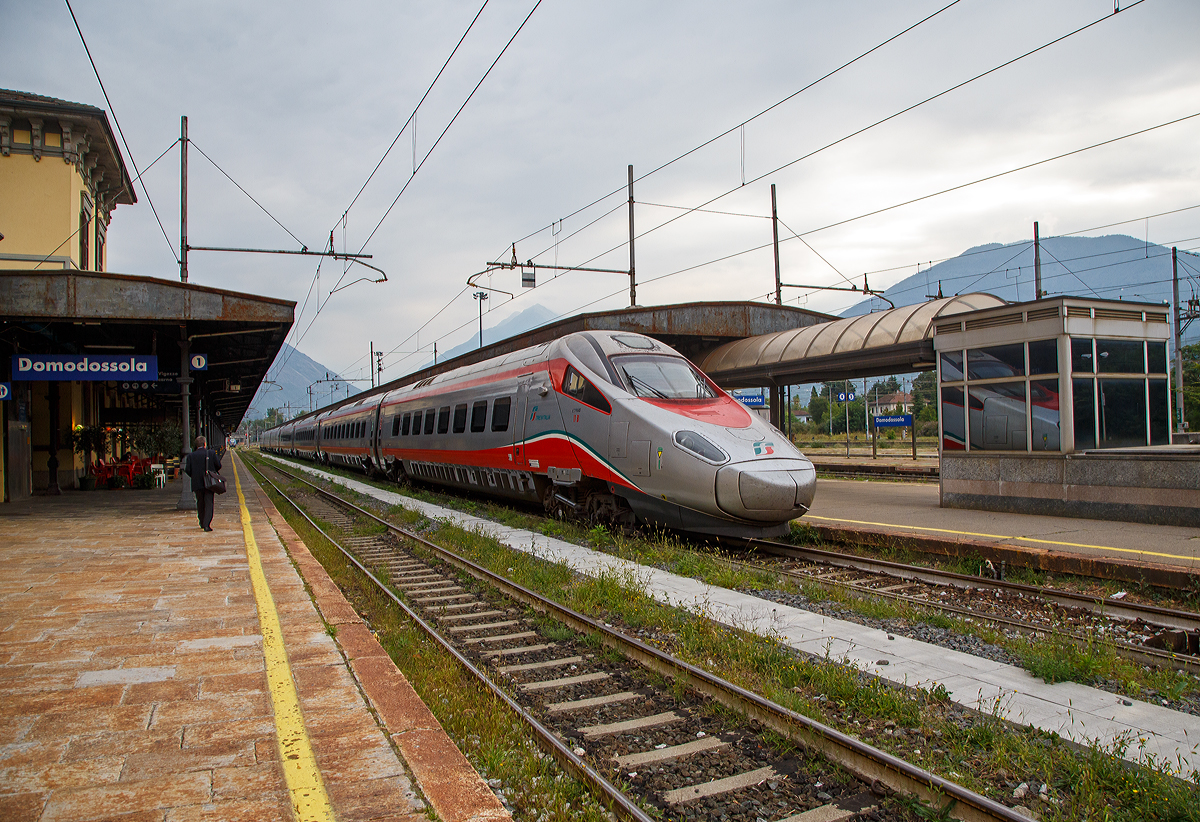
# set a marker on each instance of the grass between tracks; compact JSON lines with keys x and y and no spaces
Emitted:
{"x":981,"y":751}
{"x":492,"y":738}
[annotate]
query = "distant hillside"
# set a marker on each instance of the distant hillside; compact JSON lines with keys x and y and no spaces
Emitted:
{"x":527,"y":320}
{"x":291,"y":374}
{"x":1113,"y":267}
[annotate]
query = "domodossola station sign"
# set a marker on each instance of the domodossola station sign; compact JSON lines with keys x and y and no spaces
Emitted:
{"x":84,"y":367}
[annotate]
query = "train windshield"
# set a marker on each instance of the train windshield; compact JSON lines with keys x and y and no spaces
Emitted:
{"x":662,"y":378}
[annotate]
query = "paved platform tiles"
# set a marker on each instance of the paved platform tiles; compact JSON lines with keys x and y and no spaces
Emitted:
{"x":133,"y":683}
{"x":1074,"y":711}
{"x":913,"y":509}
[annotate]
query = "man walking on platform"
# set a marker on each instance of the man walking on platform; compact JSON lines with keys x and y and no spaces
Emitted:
{"x":200,"y":461}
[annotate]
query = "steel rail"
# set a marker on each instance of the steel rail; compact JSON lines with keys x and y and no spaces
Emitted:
{"x":608,"y":794}
{"x":1144,"y":655}
{"x":1154,"y":614}
{"x":1138,"y":653}
{"x":883,"y":771}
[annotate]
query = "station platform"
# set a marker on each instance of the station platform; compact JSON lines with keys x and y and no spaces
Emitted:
{"x":151,"y":670}
{"x":1138,"y":731}
{"x":909,"y":514}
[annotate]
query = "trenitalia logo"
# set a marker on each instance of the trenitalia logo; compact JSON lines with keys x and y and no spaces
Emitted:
{"x":86,"y":367}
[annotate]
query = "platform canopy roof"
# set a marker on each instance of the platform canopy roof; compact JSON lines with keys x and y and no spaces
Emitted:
{"x":92,"y":312}
{"x":884,"y":342}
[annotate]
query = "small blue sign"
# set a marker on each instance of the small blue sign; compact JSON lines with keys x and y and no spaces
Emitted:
{"x":5,"y":390}
{"x":199,"y":362}
{"x":846,"y":397}
{"x":894,"y":421}
{"x":751,"y":400}
{"x":84,"y":367}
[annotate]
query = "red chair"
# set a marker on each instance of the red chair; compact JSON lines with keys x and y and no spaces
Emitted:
{"x":125,"y":469}
{"x":101,"y":471}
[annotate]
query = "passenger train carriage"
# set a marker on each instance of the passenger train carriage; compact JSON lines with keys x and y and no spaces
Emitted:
{"x":605,"y":426}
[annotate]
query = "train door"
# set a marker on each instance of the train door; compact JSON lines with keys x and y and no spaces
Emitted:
{"x":587,"y":417}
{"x":524,"y":384}
{"x":376,"y":448}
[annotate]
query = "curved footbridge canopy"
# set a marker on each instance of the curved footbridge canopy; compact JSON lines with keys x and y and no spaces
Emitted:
{"x":871,"y":345}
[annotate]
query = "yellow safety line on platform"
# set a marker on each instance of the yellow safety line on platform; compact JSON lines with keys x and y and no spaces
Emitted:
{"x":309,"y":800}
{"x":997,"y":536}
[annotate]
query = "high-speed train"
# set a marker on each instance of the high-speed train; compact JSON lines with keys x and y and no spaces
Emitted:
{"x":603,"y":426}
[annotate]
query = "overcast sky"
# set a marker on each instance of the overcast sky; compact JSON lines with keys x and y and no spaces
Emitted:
{"x":298,"y":101}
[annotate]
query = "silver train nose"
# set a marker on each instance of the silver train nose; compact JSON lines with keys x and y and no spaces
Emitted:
{"x":767,"y":491}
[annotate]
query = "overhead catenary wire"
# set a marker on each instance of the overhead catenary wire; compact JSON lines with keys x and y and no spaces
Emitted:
{"x":345,"y":212}
{"x":806,"y":87}
{"x":893,"y":116}
{"x":120,"y":131}
{"x":438,"y":141}
{"x":924,"y":197}
{"x":248,"y":194}
{"x":451,"y":123}
{"x":412,"y":117}
{"x":750,"y":119}
{"x":1061,"y":234}
{"x":909,"y":108}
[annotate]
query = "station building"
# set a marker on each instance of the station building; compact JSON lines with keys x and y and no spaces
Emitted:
{"x":83,"y":348}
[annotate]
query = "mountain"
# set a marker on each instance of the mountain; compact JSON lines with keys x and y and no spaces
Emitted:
{"x":291,"y":375}
{"x":527,"y":320}
{"x":1113,"y":267}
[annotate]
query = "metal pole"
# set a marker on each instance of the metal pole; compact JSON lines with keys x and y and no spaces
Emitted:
{"x":632,"y":276}
{"x":1037,"y":263}
{"x":847,"y":418}
{"x":775,"y":236}
{"x":183,"y":246}
{"x":481,"y":296}
{"x":187,"y":500}
{"x":1178,"y":343}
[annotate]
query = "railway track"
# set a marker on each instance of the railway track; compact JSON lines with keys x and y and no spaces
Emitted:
{"x":1147,"y":634}
{"x":645,"y":749}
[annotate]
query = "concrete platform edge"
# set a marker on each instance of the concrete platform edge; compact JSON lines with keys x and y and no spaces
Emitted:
{"x":1040,"y":559}
{"x":450,"y":783}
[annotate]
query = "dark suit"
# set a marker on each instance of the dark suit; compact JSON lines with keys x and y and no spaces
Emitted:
{"x":197,"y":462}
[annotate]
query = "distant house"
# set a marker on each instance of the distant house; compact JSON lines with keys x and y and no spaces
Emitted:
{"x":888,"y":403}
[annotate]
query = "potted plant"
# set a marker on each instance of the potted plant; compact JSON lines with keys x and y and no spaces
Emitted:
{"x":84,"y":440}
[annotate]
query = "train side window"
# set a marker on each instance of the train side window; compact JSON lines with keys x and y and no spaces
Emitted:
{"x":429,"y":420}
{"x":500,"y":413}
{"x":577,"y":386}
{"x":416,"y":425}
{"x":460,"y":418}
{"x":407,"y":425}
{"x":443,"y":419}
{"x":478,"y":416}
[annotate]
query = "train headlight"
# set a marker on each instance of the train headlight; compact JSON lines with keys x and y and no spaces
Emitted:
{"x":695,"y":444}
